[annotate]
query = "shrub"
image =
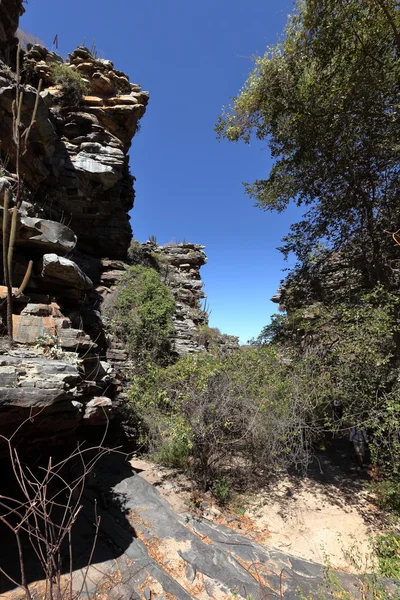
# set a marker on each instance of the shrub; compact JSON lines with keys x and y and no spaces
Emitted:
{"x":387,"y":492}
{"x":141,"y":316}
{"x":238,"y":412}
{"x":177,"y":444}
{"x":73,"y":87}
{"x":355,"y":348}
{"x":208,"y":336}
{"x":222,"y":490}
{"x":387,"y":548}
{"x":139,"y":255}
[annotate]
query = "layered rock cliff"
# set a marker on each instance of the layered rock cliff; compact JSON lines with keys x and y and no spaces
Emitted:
{"x":180,"y":269}
{"x":10,"y":12}
{"x":73,"y":223}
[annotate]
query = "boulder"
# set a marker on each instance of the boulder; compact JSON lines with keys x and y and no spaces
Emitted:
{"x":75,"y":339}
{"x":65,"y":272}
{"x":42,"y":310}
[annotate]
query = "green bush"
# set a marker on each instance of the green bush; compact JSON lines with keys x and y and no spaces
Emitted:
{"x":387,"y":492}
{"x":354,"y":346}
{"x":141,"y":316}
{"x":222,"y":490}
{"x":73,"y":87}
{"x":177,"y":444}
{"x":242,"y":408}
{"x":387,"y":548}
{"x":138,"y":255}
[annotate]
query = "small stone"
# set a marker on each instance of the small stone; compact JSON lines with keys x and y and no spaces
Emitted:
{"x":147,"y":594}
{"x":98,"y":410}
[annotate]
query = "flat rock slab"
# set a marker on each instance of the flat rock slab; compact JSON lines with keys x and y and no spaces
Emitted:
{"x":145,"y":549}
{"x":172,"y":555}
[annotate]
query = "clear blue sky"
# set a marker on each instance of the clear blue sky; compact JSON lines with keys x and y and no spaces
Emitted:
{"x":192,"y":57}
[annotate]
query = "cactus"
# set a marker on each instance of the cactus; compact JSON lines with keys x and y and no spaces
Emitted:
{"x":20,"y":138}
{"x":7,"y":282}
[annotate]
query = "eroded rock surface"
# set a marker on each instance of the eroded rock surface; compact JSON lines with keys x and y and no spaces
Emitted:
{"x":181,"y":264}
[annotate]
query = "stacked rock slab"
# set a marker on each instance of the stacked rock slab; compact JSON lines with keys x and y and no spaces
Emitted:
{"x":77,"y":191}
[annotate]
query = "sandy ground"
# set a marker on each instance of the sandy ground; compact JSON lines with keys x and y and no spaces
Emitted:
{"x":311,"y":519}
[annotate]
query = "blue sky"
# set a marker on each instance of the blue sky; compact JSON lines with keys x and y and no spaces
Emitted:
{"x":191,"y":57}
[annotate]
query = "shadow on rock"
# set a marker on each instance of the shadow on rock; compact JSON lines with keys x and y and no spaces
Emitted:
{"x":90,"y":545}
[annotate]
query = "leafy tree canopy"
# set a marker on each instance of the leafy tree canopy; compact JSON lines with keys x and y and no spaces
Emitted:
{"x":326,"y":98}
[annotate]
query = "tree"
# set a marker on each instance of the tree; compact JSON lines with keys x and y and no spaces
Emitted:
{"x":326,"y":100}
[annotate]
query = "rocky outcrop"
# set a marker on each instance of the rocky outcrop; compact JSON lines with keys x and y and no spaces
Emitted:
{"x":180,"y":266}
{"x":77,"y":192}
{"x":73,"y":225}
{"x":334,"y":277}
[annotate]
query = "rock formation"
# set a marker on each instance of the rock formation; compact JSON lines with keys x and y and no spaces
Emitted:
{"x":180,"y":268}
{"x":10,"y":12}
{"x":334,"y":276}
{"x":73,"y":223}
{"x":179,"y":265}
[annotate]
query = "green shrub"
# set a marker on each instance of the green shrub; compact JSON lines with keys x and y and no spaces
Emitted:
{"x":141,"y":316}
{"x":387,"y":548}
{"x":177,"y":444}
{"x":138,"y":255}
{"x":222,"y":490}
{"x":208,"y":336}
{"x":73,"y":87}
{"x":387,"y":492}
{"x":237,"y":407}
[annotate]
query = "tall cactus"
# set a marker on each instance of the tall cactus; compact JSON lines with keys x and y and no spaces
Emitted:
{"x":20,"y":139}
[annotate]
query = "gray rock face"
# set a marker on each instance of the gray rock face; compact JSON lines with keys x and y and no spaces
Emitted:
{"x":100,"y":163}
{"x":39,"y":391}
{"x":10,"y":12}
